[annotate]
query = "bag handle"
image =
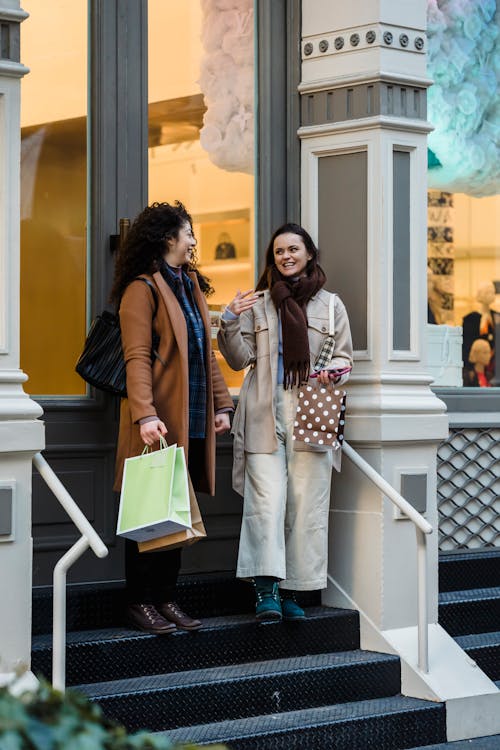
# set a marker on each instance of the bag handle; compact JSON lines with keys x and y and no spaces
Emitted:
{"x":153,"y":292}
{"x":331,"y":314}
{"x":147,"y":448}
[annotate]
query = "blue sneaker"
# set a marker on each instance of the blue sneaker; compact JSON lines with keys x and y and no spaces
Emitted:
{"x":289,"y":607}
{"x":267,"y":600}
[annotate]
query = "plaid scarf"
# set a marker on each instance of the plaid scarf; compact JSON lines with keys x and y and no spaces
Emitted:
{"x":290,"y":297}
{"x":182,"y":287}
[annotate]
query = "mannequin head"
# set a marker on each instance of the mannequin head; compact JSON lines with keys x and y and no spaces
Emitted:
{"x":486,"y":293}
{"x":480,"y":352}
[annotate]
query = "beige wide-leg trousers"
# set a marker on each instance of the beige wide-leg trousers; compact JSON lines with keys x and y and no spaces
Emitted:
{"x":284,"y":530}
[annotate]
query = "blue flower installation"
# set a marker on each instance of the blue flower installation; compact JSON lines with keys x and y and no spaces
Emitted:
{"x":464,"y":106}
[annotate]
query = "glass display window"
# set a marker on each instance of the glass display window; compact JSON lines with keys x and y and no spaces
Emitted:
{"x":463,"y":241}
{"x":54,"y":195}
{"x":201,"y":136}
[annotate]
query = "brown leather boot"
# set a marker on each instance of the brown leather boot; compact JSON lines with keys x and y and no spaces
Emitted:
{"x":146,"y":617}
{"x":172,"y":612}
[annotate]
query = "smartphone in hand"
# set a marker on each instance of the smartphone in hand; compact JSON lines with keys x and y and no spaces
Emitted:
{"x":337,"y":372}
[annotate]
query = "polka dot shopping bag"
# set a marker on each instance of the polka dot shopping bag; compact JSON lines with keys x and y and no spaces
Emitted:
{"x":320,"y":416}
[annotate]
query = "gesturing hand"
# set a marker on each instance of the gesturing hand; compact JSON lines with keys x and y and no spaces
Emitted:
{"x":243,"y":301}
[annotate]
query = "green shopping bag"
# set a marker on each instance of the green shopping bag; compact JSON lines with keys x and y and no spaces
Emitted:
{"x":154,"y":500}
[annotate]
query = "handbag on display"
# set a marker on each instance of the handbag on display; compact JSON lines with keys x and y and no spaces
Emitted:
{"x":320,"y":416}
{"x":155,"y":498}
{"x":101,"y":362}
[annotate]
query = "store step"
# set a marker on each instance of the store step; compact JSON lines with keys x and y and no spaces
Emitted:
{"x":470,"y":611}
{"x":484,"y":648}
{"x":235,"y":692}
{"x":469,"y":570}
{"x":382,"y":724}
{"x":479,"y":743}
{"x":120,"y":653}
{"x":103,"y":605}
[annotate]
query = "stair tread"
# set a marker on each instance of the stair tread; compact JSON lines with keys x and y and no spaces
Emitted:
{"x":478,"y":743}
{"x":478,"y":640}
{"x":480,"y":554}
{"x":467,"y":595}
{"x":44,"y":641}
{"x":226,"y":731}
{"x":230,"y":673}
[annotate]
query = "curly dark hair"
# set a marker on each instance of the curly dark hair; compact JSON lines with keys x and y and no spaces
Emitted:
{"x":144,"y":246}
{"x":264,"y":281}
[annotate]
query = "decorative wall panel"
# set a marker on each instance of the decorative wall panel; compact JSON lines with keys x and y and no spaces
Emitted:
{"x":469,"y":489}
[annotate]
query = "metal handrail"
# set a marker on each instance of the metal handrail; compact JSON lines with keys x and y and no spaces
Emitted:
{"x":422,"y":528}
{"x":89,"y":538}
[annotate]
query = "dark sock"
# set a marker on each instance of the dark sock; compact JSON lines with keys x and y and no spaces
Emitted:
{"x":265,"y":580}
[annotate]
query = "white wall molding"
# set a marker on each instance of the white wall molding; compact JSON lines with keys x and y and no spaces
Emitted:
{"x":368,"y":36}
{"x":366,"y":123}
{"x":363,"y":76}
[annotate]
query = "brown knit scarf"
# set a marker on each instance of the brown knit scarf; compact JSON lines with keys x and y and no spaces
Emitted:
{"x":290,"y":297}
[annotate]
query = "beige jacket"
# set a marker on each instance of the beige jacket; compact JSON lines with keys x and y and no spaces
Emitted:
{"x":252,"y":341}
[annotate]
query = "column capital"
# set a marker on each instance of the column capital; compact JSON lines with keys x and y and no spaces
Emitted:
{"x":359,"y":38}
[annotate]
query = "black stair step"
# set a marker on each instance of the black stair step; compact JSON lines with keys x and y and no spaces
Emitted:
{"x":479,"y":743}
{"x":469,"y":570}
{"x":103,"y":605}
{"x":382,"y":724}
{"x":484,"y":648}
{"x":235,"y":692}
{"x":471,"y":611}
{"x":111,"y":654}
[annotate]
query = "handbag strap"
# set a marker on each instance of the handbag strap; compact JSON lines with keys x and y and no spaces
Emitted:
{"x":331,"y":315}
{"x":153,"y":292}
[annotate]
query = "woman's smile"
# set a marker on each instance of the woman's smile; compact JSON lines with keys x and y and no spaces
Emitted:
{"x":290,"y":254}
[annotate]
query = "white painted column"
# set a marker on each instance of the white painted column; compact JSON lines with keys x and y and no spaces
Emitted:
{"x":21,"y":433}
{"x":363,"y":144}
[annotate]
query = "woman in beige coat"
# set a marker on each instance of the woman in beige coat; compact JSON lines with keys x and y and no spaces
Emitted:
{"x":277,"y":332}
{"x":174,"y":386}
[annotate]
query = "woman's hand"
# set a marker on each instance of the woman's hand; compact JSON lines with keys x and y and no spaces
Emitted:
{"x":324,"y":377}
{"x":243,"y":301}
{"x":222,"y":423}
{"x":151,"y":431}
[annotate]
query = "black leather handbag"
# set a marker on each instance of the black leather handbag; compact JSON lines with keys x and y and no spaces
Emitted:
{"x":101,"y":362}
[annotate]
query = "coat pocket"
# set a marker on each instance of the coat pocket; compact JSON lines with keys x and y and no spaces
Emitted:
{"x":261,"y":332}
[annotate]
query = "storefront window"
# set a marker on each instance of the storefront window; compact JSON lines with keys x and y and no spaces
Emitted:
{"x":201,"y":135}
{"x":463,"y":204}
{"x":53,"y":195}
{"x":464,"y":289}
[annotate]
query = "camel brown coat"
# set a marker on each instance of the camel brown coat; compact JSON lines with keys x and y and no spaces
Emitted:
{"x":162,"y":390}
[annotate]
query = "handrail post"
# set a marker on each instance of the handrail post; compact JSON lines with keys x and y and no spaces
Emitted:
{"x":423,"y":627}
{"x":59,"y":612}
{"x":422,"y":528}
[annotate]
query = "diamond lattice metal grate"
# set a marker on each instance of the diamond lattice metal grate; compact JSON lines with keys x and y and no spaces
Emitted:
{"x":469,"y":489}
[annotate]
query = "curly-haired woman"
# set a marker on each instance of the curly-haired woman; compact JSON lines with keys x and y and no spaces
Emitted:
{"x":181,"y":394}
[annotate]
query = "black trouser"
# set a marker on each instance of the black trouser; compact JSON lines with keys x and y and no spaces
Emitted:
{"x":151,"y":577}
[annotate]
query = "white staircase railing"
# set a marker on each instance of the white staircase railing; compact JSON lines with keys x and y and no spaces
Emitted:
{"x":89,"y":538}
{"x":422,"y":528}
